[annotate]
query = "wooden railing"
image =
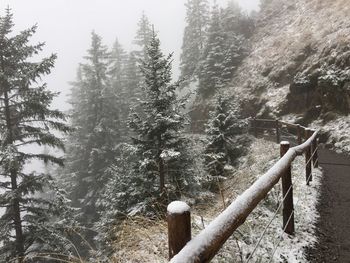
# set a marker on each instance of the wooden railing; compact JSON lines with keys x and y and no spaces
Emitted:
{"x":204,"y":246}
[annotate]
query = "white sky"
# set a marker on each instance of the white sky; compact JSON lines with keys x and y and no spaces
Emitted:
{"x":65,"y":26}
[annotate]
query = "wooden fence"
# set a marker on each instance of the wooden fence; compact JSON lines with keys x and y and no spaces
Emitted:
{"x":204,"y":246}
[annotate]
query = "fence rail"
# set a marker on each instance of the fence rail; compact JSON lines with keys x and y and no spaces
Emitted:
{"x":204,"y":246}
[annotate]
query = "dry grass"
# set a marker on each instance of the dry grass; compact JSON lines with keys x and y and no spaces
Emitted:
{"x":141,"y":240}
{"x":144,"y":240}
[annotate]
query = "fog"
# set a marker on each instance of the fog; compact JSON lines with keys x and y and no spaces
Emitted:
{"x":66,"y":26}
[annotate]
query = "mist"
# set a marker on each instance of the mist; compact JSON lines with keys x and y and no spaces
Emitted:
{"x":65,"y":26}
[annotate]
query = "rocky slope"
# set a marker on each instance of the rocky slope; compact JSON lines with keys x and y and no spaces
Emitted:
{"x":299,"y":65}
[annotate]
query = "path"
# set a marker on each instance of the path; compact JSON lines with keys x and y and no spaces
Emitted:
{"x":333,"y":227}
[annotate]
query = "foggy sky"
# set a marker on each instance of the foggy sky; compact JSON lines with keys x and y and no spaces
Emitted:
{"x":66,"y":25}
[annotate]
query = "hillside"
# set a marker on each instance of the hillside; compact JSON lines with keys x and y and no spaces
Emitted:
{"x":299,"y":66}
{"x":298,"y":49}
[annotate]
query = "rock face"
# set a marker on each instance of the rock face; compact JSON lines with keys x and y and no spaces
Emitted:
{"x":298,"y":67}
{"x":300,"y":60}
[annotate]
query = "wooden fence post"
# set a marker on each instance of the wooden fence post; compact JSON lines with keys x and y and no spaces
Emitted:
{"x":287,"y":190}
{"x":308,"y":161}
{"x":315,"y":148}
{"x":255,"y":127}
{"x":179,"y":226}
{"x":278,"y":136}
{"x":299,"y":132}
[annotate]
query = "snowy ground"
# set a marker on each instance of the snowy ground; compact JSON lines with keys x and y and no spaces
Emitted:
{"x":147,"y":241}
{"x":338,"y":130}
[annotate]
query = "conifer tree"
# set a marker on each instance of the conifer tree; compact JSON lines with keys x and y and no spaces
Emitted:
{"x":119,"y":83}
{"x":95,"y":114}
{"x":141,"y":41}
{"x":224,"y":131}
{"x":131,"y":77}
{"x":118,"y":60}
{"x":163,"y":163}
{"x":32,"y":223}
{"x":125,"y":194}
{"x":143,"y":37}
{"x":197,"y":18}
{"x":236,"y":27}
{"x":212,"y":65}
{"x":225,"y":48}
{"x":236,"y":21}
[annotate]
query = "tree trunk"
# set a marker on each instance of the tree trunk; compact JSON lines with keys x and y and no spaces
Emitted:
{"x":13,"y":174}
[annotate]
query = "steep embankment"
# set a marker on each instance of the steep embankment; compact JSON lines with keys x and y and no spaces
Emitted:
{"x":299,"y":66}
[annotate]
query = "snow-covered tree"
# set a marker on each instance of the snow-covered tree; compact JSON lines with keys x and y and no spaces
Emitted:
{"x":119,"y":81}
{"x":32,"y":221}
{"x":197,"y":17}
{"x":212,"y":66}
{"x":224,"y":50}
{"x":143,"y":37}
{"x":95,"y":115}
{"x":125,"y":193}
{"x":225,"y":140}
{"x":118,"y":60}
{"x":131,"y":77}
{"x":162,"y":159}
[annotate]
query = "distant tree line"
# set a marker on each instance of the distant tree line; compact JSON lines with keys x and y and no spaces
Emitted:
{"x":214,"y":44}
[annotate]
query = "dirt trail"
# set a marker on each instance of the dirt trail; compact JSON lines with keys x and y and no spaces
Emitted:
{"x":333,"y":226}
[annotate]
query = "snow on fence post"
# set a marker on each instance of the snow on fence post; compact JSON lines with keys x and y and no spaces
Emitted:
{"x":308,"y":154}
{"x":179,"y":226}
{"x":315,"y":149}
{"x":287,"y":190}
{"x":300,"y":137}
{"x":278,"y":136}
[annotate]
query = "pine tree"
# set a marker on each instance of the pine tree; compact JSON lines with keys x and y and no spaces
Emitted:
{"x":119,"y":83}
{"x":162,"y":159}
{"x":197,"y":17}
{"x":143,"y":37}
{"x":95,"y":114}
{"x":212,"y":65}
{"x":125,"y":194}
{"x":31,"y":223}
{"x":142,"y":40}
{"x":234,"y":24}
{"x":132,"y":78}
{"x":224,"y":131}
{"x":225,"y":48}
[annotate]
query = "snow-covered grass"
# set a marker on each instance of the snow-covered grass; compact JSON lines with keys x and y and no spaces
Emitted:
{"x":146,"y":241}
{"x":142,"y":240}
{"x":261,"y":157}
{"x":338,"y":130}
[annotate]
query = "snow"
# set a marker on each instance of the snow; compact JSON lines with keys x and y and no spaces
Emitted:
{"x":178,"y":207}
{"x":285,"y":143}
{"x":262,"y":155}
{"x":338,"y":130}
{"x":168,"y":154}
{"x":232,"y":216}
